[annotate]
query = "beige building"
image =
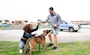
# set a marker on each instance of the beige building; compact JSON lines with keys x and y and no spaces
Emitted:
{"x":81,"y":22}
{"x":18,"y":22}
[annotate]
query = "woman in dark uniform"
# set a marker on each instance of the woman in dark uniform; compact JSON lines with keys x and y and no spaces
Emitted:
{"x":28,"y":29}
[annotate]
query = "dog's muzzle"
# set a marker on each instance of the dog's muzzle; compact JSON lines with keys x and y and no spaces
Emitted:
{"x":49,"y":31}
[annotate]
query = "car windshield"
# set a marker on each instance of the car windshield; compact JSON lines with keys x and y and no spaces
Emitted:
{"x":68,"y":22}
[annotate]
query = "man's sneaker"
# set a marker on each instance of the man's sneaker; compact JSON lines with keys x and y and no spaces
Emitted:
{"x":49,"y":45}
{"x":20,"y":51}
{"x":54,"y":48}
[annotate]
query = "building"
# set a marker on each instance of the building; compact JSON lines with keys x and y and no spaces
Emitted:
{"x":18,"y":22}
{"x":81,"y":22}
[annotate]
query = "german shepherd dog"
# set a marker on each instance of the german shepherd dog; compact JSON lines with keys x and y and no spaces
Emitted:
{"x":31,"y":42}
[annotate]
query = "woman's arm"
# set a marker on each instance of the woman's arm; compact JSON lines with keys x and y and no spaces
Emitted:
{"x":35,"y":28}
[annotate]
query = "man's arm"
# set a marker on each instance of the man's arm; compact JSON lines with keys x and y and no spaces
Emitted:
{"x":59,"y":19}
{"x":45,"y":20}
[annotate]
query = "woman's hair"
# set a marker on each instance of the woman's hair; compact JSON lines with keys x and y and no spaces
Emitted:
{"x":27,"y":28}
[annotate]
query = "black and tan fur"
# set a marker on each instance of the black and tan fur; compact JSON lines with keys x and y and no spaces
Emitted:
{"x":31,"y":42}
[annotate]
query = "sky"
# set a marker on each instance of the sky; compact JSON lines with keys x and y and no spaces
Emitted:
{"x":32,"y":10}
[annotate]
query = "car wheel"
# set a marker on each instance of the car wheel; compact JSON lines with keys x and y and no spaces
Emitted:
{"x":76,"y":31}
{"x":61,"y":29}
{"x":71,"y":29}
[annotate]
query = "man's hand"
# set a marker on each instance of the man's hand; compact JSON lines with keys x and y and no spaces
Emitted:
{"x":55,"y":26}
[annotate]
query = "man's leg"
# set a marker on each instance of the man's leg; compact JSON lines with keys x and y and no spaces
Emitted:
{"x":55,"y":40}
{"x":55,"y":32}
{"x":50,"y":38}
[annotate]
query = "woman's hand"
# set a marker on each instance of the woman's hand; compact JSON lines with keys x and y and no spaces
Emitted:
{"x":39,"y":23}
{"x":36,"y":34}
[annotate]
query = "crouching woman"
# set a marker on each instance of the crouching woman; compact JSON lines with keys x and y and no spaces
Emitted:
{"x":28,"y":29}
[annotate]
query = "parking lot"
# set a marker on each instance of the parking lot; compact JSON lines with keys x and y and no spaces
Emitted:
{"x":63,"y":36}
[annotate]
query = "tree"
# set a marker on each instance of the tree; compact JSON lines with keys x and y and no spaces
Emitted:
{"x":26,"y":21}
{"x":6,"y":20}
{"x":0,"y":21}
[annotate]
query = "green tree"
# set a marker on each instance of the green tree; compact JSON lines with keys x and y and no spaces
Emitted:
{"x":26,"y":21}
{"x":6,"y":20}
{"x":0,"y":21}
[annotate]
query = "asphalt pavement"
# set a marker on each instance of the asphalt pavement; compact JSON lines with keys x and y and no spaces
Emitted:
{"x":63,"y":36}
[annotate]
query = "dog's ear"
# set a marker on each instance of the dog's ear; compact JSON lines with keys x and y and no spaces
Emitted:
{"x":49,"y":30}
{"x":44,"y":30}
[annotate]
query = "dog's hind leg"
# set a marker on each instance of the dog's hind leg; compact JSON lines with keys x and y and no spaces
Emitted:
{"x":39,"y":47}
{"x":31,"y":49}
{"x":32,"y":45}
{"x":26,"y":50}
{"x":44,"y":45}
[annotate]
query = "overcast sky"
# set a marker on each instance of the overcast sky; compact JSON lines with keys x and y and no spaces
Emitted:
{"x":33,"y":10}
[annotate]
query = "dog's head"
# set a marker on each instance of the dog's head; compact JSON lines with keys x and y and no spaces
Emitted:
{"x":46,"y":31}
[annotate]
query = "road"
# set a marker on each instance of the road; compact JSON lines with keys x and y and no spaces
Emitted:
{"x":63,"y":36}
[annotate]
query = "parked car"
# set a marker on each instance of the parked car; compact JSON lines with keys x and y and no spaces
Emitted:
{"x":1,"y":25}
{"x":67,"y":25}
{"x":4,"y":25}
